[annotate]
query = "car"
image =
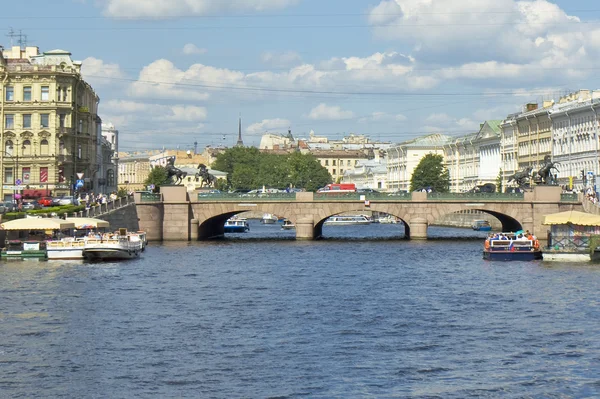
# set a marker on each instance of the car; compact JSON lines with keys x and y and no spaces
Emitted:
{"x":30,"y":205}
{"x":367,"y":191}
{"x":45,"y":201}
{"x":65,"y":200}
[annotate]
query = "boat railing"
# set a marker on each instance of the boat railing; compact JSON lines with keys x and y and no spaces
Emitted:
{"x":511,"y":245}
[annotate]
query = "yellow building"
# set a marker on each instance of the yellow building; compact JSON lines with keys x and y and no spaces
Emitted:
{"x":49,"y":123}
{"x":337,"y":162}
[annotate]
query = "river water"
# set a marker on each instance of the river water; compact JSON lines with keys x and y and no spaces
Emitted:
{"x":259,"y":315}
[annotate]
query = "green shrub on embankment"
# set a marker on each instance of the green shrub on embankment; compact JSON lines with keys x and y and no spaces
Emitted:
{"x":59,"y":210}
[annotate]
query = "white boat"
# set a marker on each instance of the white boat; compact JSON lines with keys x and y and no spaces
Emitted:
{"x":66,"y":248}
{"x":389,"y":219}
{"x":288,"y":225}
{"x":236,"y":225}
{"x":343,"y":220}
{"x":269,"y":218}
{"x":121,"y":245}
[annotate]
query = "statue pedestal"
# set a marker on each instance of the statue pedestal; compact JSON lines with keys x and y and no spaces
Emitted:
{"x":174,"y":193}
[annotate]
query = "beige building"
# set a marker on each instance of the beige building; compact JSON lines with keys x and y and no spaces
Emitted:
{"x":133,"y":171}
{"x":337,"y":162}
{"x":49,"y":123}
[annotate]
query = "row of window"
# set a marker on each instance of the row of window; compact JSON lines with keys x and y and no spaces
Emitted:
{"x":27,"y":119}
{"x":26,"y":95}
{"x":333,"y":162}
{"x":25,"y":177}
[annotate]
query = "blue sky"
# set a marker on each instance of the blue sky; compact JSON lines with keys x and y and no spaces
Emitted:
{"x":171,"y":73}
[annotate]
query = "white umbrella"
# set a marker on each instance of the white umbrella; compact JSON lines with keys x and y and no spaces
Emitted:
{"x":37,"y":224}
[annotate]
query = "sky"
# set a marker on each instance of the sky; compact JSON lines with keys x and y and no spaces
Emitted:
{"x":171,"y":73}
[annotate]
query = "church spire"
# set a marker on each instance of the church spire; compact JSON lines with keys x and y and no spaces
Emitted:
{"x":240,"y":142}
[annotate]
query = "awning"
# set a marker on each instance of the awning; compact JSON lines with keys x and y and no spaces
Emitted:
{"x":37,"y":224}
{"x":573,"y":217}
{"x":88,"y":223}
{"x":37,"y":193}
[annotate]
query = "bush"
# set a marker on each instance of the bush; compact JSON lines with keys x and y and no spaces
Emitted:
{"x":59,"y":210}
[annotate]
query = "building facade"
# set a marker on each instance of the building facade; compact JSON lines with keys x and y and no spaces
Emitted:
{"x":49,"y":124}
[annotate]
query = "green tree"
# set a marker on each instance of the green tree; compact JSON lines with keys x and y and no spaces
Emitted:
{"x":305,"y":171}
{"x":158,"y":176}
{"x":122,"y":192}
{"x":242,"y":177}
{"x":499,"y":181}
{"x":430,"y":172}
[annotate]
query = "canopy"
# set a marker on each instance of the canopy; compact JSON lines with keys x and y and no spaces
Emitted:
{"x":88,"y":223}
{"x":573,"y":217}
{"x":37,"y":224}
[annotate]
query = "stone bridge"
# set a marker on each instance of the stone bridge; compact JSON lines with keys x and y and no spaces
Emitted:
{"x":175,"y":214}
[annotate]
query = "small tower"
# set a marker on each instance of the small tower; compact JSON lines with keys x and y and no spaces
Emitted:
{"x":240,"y":142}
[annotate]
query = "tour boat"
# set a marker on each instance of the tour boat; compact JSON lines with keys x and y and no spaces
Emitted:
{"x":66,"y":248}
{"x":17,"y":249}
{"x":511,"y":249}
{"x":288,"y":225}
{"x":120,"y":245}
{"x":389,"y":219}
{"x":342,"y":220}
{"x":481,"y":225}
{"x":236,"y":225}
{"x":269,"y":218}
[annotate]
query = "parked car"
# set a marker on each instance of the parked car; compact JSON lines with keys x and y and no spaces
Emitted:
{"x":65,"y":200}
{"x":8,"y":206}
{"x":30,"y":205}
{"x":45,"y":201}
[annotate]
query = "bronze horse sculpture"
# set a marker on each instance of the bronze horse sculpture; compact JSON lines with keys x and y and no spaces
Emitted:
{"x":207,"y":178}
{"x":174,"y":174}
{"x":521,"y":177}
{"x":544,"y":175}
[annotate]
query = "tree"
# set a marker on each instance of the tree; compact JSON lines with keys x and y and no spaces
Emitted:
{"x":499,"y":181}
{"x":305,"y":171}
{"x":158,"y":176}
{"x":431,"y":173}
{"x":122,"y":192}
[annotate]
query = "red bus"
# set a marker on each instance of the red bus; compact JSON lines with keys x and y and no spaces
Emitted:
{"x":338,"y":188}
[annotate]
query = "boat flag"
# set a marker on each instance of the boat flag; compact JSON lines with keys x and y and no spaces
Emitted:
{"x":511,"y":246}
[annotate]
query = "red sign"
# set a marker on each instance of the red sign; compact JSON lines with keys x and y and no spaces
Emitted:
{"x":44,"y":175}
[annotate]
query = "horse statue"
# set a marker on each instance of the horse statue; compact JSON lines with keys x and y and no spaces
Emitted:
{"x":544,"y":175}
{"x":174,"y":174}
{"x":207,"y":178}
{"x":521,"y":177}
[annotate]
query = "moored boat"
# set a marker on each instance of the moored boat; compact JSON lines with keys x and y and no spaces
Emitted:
{"x":342,"y":220}
{"x":510,"y":249}
{"x":236,"y":225}
{"x":67,"y":248}
{"x":18,"y":249}
{"x":117,"y":246}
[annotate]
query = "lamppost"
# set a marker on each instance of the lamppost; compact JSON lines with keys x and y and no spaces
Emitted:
{"x":15,"y":159}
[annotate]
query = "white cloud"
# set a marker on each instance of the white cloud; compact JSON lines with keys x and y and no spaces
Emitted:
{"x":379,"y":116}
{"x":161,"y":9}
{"x":330,"y":113}
{"x":154,"y":112}
{"x":97,"y":72}
{"x":191,"y":49}
{"x":268,"y":125}
{"x":279,"y":60}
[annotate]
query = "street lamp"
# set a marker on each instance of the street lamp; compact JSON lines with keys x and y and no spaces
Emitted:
{"x":16,"y":160}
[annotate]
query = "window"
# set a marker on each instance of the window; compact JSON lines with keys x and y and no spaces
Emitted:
{"x":26,"y":176}
{"x":45,"y":93}
{"x":334,"y":171}
{"x":8,"y":147}
{"x":79,"y":151}
{"x":61,"y":147}
{"x":44,"y":174}
{"x":61,"y":120}
{"x":26,"y":147}
{"x":348,"y":163}
{"x":26,"y":121}
{"x":8,"y":176}
{"x":333,"y":163}
{"x":9,"y":121}
{"x":27,"y":93}
{"x":44,"y":147}
{"x":327,"y":162}
{"x":44,"y":120}
{"x":110,"y":177}
{"x":9,"y":93}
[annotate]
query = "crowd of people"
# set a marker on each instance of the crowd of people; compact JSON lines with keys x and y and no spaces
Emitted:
{"x":519,"y":236}
{"x":91,"y":198}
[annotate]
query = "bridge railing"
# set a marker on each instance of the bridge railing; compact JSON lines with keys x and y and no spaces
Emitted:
{"x":362,"y":196}
{"x":150,"y":197}
{"x":246,"y":196}
{"x":477,"y":196}
{"x":569,"y":197}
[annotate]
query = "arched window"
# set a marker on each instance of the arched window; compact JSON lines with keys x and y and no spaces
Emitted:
{"x":110,"y":178}
{"x":27,"y":147}
{"x":44,"y":147}
{"x":8,"y":147}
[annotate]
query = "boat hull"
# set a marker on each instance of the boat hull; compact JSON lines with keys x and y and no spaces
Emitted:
{"x":23,"y":254}
{"x":552,"y":255}
{"x":235,"y":229}
{"x":65,"y":253}
{"x":107,"y":253}
{"x":523,"y":256}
